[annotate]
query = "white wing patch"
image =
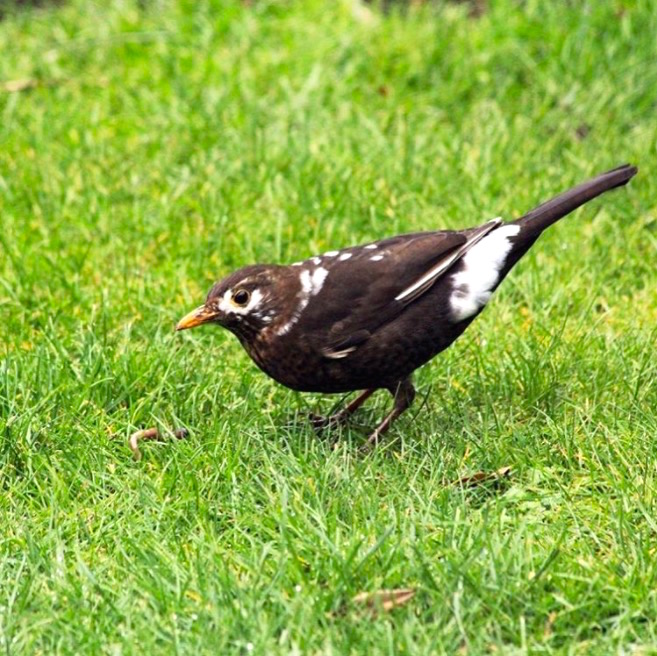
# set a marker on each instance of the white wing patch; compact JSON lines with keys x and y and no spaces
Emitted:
{"x":481,"y":271}
{"x":421,"y":285}
{"x":338,"y":355}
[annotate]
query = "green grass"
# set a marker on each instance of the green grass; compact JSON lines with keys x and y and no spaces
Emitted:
{"x":169,"y":143}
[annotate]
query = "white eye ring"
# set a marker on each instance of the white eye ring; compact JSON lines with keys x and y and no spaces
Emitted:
{"x":241,"y":298}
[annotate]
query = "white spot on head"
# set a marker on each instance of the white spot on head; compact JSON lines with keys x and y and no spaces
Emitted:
{"x":256,"y":297}
{"x":481,"y":270}
{"x":345,"y":256}
{"x":376,"y":258}
{"x":371,"y":247}
{"x":331,"y":253}
{"x":265,"y":318}
{"x":317,"y":260}
{"x":287,"y":326}
{"x":227,"y":306}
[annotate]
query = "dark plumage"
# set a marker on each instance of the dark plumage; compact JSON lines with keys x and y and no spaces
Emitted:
{"x":364,"y":318}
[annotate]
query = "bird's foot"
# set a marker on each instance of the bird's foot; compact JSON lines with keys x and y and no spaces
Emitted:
{"x":318,"y":422}
{"x":403,"y":393}
{"x":371,"y":443}
{"x":151,"y":434}
{"x":321,"y":424}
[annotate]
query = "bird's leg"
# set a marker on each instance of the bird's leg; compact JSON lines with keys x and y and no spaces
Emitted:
{"x":341,"y":417}
{"x":403,"y":394}
{"x":345,"y":413}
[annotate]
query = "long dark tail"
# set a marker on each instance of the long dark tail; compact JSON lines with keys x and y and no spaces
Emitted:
{"x":543,"y":216}
{"x":533,"y":223}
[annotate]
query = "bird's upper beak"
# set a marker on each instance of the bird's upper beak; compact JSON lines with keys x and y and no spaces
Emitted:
{"x":196,"y":317}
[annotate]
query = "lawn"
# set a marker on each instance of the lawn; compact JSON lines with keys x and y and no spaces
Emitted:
{"x":149,"y":148}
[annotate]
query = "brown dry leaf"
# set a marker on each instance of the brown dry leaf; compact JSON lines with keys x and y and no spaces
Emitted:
{"x":13,"y":86}
{"x":483,"y":477}
{"x":385,"y":600}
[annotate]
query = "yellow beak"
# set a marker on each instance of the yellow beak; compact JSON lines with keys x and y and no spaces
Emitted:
{"x":196,"y":317}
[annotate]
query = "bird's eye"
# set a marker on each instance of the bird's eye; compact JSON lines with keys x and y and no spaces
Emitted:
{"x":241,"y":297}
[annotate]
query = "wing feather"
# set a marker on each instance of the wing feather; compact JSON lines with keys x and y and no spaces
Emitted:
{"x":426,"y":281}
{"x":376,"y":282}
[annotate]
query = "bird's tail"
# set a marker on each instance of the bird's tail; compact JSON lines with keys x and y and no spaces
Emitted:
{"x":534,"y":222}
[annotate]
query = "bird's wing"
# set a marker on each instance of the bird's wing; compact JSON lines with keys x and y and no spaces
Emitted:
{"x":366,"y":287}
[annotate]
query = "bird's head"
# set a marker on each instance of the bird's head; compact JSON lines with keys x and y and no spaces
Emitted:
{"x":245,"y":302}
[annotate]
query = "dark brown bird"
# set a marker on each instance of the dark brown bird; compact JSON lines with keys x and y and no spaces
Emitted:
{"x":364,"y":318}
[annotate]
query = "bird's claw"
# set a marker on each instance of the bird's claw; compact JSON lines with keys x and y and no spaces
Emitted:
{"x":371,"y":443}
{"x":320,"y":423}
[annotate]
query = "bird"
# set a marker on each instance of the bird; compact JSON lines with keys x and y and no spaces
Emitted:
{"x":364,"y":318}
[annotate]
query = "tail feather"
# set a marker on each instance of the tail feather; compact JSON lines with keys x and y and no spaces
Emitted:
{"x":543,"y":216}
{"x":534,"y":222}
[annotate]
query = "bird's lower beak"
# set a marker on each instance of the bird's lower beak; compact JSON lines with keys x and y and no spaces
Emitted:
{"x":196,"y":318}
